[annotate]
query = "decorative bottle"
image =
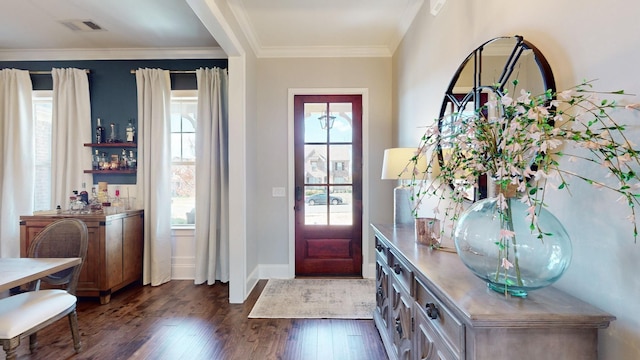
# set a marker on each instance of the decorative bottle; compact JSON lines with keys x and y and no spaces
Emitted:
{"x":132,"y":162}
{"x":84,"y":195}
{"x":113,"y":136}
{"x":105,"y":164}
{"x":124,"y":162}
{"x":95,"y":162}
{"x":131,"y":132}
{"x":95,"y":204}
{"x":99,"y":132}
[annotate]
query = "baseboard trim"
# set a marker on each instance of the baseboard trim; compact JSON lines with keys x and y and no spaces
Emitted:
{"x":183,"y":268}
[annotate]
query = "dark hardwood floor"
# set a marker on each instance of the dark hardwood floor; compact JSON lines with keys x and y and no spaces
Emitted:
{"x":180,"y":320}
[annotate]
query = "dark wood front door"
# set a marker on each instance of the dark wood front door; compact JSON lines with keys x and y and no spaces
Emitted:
{"x":328,"y":167}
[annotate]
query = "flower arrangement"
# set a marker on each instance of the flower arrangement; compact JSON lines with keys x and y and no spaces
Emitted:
{"x":518,"y":142}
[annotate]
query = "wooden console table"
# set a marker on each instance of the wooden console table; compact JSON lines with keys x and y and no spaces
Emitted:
{"x":114,"y":255}
{"x":430,"y":306}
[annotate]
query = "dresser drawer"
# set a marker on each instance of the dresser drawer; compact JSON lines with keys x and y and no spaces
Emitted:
{"x":428,"y":343}
{"x":442,"y":320}
{"x":382,"y":251}
{"x":401,"y":272}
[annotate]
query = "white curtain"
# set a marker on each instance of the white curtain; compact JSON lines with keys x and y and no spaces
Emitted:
{"x":17,"y":164}
{"x":154,"y":172}
{"x":212,"y":178}
{"x":71,"y":128}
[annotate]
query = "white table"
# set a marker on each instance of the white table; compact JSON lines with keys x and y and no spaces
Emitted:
{"x":18,"y":271}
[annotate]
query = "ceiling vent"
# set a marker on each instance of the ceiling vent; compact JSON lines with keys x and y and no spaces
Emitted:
{"x":82,"y":25}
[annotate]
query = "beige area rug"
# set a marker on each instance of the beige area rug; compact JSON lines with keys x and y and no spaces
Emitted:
{"x":316,"y":299}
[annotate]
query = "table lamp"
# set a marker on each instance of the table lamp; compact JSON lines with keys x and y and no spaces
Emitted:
{"x":393,"y":168}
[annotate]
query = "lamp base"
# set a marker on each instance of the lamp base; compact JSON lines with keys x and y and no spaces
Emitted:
{"x":402,"y":213}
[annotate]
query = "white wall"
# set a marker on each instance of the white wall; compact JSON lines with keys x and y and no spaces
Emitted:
{"x":581,"y":40}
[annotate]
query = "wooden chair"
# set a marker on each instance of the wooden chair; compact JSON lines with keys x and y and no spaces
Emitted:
{"x":25,"y":314}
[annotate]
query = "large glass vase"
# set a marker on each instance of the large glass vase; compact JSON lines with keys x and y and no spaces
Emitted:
{"x":500,"y":247}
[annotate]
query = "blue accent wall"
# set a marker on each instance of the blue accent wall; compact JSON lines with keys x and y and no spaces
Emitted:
{"x":112,"y":88}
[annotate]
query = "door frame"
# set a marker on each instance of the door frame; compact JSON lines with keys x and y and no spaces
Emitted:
{"x":367,"y":269}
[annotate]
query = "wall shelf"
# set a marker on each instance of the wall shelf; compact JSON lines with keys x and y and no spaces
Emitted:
{"x":119,"y":145}
{"x":131,"y":171}
{"x":112,"y":145}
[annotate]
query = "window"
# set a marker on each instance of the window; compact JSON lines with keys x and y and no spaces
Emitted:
{"x":42,"y":115}
{"x":184,"y":105}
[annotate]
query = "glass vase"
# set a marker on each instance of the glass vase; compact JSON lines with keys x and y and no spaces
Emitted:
{"x":499,"y":246}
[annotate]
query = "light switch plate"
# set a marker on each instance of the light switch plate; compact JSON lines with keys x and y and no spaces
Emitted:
{"x":277,"y":192}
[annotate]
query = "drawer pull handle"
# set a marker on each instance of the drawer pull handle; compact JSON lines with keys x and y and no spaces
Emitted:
{"x":399,"y":327}
{"x":397,"y":269}
{"x":432,"y":311}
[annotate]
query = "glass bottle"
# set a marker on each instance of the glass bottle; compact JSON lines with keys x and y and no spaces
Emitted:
{"x":115,"y":162}
{"x":75,"y":203}
{"x":72,"y":203}
{"x":95,"y":161}
{"x":117,"y":205}
{"x":105,"y":164}
{"x":132,"y":162}
{"x":124,"y":162}
{"x":99,"y":132}
{"x":131,"y":131}
{"x":95,"y":204}
{"x":84,"y":195}
{"x":113,"y":136}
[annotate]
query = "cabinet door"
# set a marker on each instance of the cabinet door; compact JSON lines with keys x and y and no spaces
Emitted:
{"x":113,"y":253}
{"x":382,"y":292}
{"x":132,"y":245}
{"x":401,"y":320}
{"x":89,"y":279}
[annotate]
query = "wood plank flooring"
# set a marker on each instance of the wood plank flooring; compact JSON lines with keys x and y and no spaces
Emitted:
{"x":180,"y":320}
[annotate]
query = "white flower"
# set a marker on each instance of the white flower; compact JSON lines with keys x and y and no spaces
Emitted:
{"x":550,"y":145}
{"x":506,"y":264}
{"x":506,"y":100}
{"x":565,"y":95}
{"x":624,"y":158}
{"x":524,"y":96}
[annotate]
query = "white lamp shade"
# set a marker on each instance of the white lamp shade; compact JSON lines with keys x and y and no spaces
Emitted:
{"x":397,"y":165}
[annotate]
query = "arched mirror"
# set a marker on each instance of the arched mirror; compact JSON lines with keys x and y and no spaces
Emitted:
{"x":489,"y":70}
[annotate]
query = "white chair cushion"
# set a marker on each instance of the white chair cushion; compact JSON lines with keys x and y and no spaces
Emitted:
{"x":19,"y":313}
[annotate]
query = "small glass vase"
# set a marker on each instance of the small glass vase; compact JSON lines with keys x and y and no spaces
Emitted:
{"x":512,"y":264}
{"x":427,"y":231}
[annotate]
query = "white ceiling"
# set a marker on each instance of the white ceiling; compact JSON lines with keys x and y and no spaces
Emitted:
{"x":32,"y":29}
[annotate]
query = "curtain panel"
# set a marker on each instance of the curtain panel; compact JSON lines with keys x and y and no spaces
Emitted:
{"x":153,"y":182}
{"x":17,"y":165}
{"x":212,"y":177}
{"x":71,"y":128}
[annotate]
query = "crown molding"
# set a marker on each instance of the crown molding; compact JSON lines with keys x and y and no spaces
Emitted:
{"x":407,"y":19}
{"x":112,"y":54}
{"x":323,"y":52}
{"x":240,"y":12}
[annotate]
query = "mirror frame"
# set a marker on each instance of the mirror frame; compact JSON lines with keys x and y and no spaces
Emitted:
{"x":460,"y":100}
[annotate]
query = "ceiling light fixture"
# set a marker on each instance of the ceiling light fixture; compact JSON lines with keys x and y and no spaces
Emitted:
{"x":326,"y":122}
